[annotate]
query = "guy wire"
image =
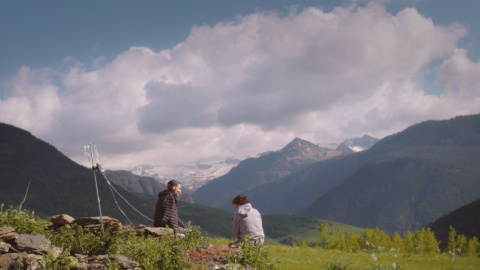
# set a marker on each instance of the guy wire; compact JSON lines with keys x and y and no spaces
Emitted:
{"x":112,"y":187}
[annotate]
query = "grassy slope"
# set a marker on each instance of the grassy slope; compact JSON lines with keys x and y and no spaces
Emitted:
{"x":280,"y":228}
{"x":217,"y":223}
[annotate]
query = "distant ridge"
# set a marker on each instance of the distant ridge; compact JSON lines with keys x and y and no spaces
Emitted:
{"x":407,"y":180}
{"x":254,"y":172}
{"x":465,"y":220}
{"x":402,"y":183}
{"x":140,"y":184}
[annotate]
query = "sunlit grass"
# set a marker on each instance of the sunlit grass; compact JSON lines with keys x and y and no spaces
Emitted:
{"x":292,"y":258}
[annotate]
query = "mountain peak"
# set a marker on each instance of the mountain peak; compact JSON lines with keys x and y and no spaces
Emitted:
{"x":357,"y":144}
{"x":299,"y":144}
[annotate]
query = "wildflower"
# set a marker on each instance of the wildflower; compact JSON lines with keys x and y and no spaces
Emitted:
{"x":374,"y":258}
{"x":394,"y":266}
{"x":395,"y":255}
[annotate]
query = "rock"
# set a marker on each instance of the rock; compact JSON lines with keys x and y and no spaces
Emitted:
{"x":70,"y":261}
{"x":56,"y":251}
{"x":126,"y":262}
{"x":8,"y":234}
{"x":4,"y":247}
{"x":231,"y":266}
{"x":158,"y":231}
{"x":37,"y":244}
{"x":81,"y":258}
{"x":32,"y":261}
{"x":4,"y":230}
{"x":6,"y":260}
{"x":94,"y":220}
{"x":102,"y":261}
{"x":61,"y":219}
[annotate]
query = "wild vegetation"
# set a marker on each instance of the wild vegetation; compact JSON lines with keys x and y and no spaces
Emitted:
{"x":335,"y":250}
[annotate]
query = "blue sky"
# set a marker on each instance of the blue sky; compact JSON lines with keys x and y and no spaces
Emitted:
{"x":153,"y":82}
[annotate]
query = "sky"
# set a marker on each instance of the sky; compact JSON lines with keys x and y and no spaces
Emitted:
{"x":168,"y":82}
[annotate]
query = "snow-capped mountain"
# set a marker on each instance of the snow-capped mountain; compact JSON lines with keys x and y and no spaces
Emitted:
{"x":357,"y":144}
{"x":191,"y":175}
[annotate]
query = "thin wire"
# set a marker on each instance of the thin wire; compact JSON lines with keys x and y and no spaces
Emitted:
{"x":110,"y":184}
{"x":115,"y":199}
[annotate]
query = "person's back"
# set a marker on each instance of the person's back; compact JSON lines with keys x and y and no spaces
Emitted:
{"x":246,"y":220}
{"x":166,"y":210}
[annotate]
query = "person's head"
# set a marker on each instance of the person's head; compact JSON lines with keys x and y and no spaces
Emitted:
{"x":240,"y":200}
{"x":174,"y":187}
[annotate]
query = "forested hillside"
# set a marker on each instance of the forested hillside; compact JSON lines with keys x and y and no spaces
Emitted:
{"x":409,"y":179}
{"x":254,"y":172}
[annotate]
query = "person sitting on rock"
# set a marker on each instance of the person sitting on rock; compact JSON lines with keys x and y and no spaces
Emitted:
{"x":246,"y":221}
{"x":166,"y":210}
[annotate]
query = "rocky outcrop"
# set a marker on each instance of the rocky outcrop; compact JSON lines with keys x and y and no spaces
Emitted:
{"x":28,"y":251}
{"x":21,"y":251}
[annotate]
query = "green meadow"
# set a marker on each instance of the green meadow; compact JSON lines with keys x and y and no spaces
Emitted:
{"x":292,"y":258}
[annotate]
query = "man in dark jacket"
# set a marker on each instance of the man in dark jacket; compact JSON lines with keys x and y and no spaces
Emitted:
{"x":166,"y":211}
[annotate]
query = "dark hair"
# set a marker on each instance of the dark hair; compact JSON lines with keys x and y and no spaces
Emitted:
{"x":240,"y":200}
{"x":172,"y":183}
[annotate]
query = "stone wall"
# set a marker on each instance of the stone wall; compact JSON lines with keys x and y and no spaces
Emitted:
{"x":21,"y":251}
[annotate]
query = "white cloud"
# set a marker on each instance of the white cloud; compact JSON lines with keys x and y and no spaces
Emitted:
{"x":30,"y":101}
{"x":460,"y":74}
{"x":251,"y":85}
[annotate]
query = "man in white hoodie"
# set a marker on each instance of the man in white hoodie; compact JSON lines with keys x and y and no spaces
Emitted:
{"x":246,"y":220}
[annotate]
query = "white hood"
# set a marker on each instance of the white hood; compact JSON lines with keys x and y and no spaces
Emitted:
{"x":243,"y":210}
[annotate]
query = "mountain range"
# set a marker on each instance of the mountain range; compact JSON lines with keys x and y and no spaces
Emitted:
{"x":57,"y":185}
{"x":191,"y":175}
{"x":252,"y":173}
{"x":141,"y":184}
{"x":403,"y":182}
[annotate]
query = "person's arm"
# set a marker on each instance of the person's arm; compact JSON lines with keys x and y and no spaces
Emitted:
{"x":180,"y":223}
{"x":169,"y":216}
{"x":235,"y":227}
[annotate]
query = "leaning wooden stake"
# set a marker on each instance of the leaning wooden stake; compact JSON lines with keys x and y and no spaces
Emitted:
{"x":26,"y":192}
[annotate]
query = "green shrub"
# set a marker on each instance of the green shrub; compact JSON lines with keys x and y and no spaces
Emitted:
{"x":24,"y":221}
{"x":340,"y":264}
{"x":251,"y":255}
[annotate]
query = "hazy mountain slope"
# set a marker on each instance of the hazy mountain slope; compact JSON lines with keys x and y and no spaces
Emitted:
{"x":60,"y":186}
{"x":57,"y":184}
{"x":254,"y":172}
{"x":293,"y":193}
{"x":140,"y":184}
{"x":409,"y":179}
{"x":465,"y":220}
